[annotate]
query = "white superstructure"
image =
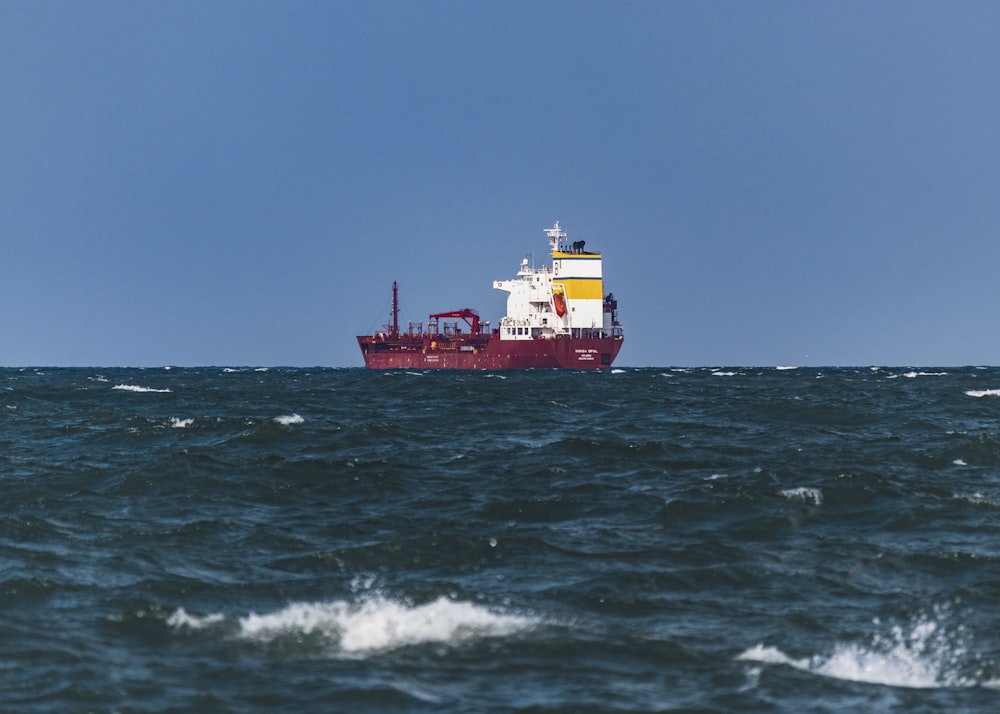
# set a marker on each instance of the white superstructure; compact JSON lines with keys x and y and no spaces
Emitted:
{"x":564,"y":299}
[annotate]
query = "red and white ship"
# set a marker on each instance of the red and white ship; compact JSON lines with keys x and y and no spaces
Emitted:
{"x":557,"y":317}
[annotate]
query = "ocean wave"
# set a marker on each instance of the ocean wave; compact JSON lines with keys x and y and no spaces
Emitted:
{"x":926,"y":655}
{"x":289,"y":419}
{"x":803,"y":493}
{"x":375,"y":624}
{"x":977,"y":499}
{"x":181,"y":619}
{"x":137,"y":388}
{"x":913,"y":374}
{"x":983,"y":393}
{"x":180,"y":423}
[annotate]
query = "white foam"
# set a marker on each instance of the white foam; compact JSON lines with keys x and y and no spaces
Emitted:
{"x":785,"y":367}
{"x":618,"y":371}
{"x":803,"y":493}
{"x":983,"y":393}
{"x":925,"y":657}
{"x":136,"y":388}
{"x":959,"y":462}
{"x":180,"y":423}
{"x":770,"y":655}
{"x":379,"y":624}
{"x":977,"y":499}
{"x":289,"y":419}
{"x":914,"y":375}
{"x":181,"y":619}
{"x":718,"y":373}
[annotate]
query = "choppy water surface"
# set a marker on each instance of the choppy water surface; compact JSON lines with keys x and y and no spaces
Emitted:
{"x":752,"y":540}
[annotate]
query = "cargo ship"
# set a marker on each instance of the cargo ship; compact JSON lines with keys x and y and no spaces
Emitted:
{"x":558,"y":317}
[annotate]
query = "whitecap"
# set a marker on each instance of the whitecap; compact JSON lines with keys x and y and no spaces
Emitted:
{"x":926,"y":656}
{"x":718,"y":373}
{"x":289,"y":419}
{"x":181,"y":619}
{"x":137,"y":388}
{"x":914,"y":375}
{"x":180,"y":423}
{"x":803,"y":493}
{"x":785,"y":367}
{"x":770,"y":655}
{"x":978,"y":499}
{"x":983,"y":393}
{"x":379,"y":624}
{"x":618,"y":371}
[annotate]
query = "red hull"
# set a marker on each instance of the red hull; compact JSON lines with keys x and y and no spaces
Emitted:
{"x":488,"y":352}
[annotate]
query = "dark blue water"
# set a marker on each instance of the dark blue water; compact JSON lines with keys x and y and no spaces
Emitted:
{"x":654,"y":540}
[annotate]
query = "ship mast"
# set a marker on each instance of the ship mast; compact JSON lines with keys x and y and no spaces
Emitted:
{"x":395,"y":309}
{"x":556,"y":234}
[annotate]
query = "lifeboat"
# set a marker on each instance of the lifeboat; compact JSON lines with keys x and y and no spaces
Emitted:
{"x":559,"y":300}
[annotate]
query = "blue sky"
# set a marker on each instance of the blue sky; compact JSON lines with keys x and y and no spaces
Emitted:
{"x":239,"y":183}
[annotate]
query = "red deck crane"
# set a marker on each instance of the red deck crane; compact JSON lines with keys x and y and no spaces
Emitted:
{"x":470,"y":316}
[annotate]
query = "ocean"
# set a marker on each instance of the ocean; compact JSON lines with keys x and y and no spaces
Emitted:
{"x":639,"y":540}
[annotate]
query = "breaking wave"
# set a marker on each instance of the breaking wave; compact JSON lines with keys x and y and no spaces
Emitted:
{"x":983,"y":393}
{"x":375,"y":624}
{"x":803,"y":493}
{"x":137,"y":388}
{"x":925,"y":655}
